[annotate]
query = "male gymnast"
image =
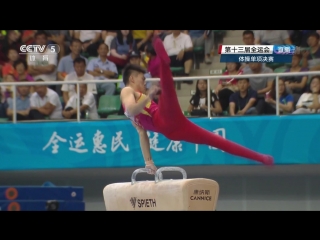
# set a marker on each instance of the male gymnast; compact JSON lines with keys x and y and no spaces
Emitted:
{"x":166,"y":117}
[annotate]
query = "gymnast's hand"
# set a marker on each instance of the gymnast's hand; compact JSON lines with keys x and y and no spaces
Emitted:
{"x":153,"y":91}
{"x":151,"y":167}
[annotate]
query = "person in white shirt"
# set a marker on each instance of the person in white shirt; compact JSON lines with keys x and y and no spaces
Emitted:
{"x":43,"y":65}
{"x":310,"y":102}
{"x":44,"y":102}
{"x":79,"y":74}
{"x":90,"y":40}
{"x":87,"y":104}
{"x":180,"y":50}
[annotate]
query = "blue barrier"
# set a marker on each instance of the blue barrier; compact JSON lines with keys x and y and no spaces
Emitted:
{"x":102,"y":144}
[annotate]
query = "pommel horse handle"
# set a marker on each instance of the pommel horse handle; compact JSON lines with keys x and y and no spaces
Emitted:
{"x":135,"y":173}
{"x":159,"y":176}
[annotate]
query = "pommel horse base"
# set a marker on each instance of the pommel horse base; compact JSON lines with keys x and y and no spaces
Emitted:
{"x":198,"y":194}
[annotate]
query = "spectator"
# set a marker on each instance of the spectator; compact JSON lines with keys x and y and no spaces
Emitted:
{"x":7,"y":90}
{"x":101,"y":68}
{"x":44,"y":102}
{"x":272,"y":37}
{"x":11,"y":40}
{"x":43,"y":65}
{"x":203,"y":38}
{"x":311,"y":58}
{"x":60,"y":37}
{"x":248,"y":39}
{"x":261,"y":85}
{"x":285,"y":99}
{"x":20,"y":67}
{"x":108,"y":36}
{"x":121,"y":46}
{"x":179,"y":48}
{"x":28,"y":37}
{"x":90,"y":39}
{"x":298,"y":84}
{"x":5,"y":94}
{"x":226,"y":87}
{"x":142,"y":37}
{"x":79,"y":74}
{"x":8,"y":68}
{"x":310,"y":102}
{"x":22,"y":103}
{"x":87,"y":104}
{"x":66,"y":64}
{"x":242,"y":102}
{"x":199,"y":101}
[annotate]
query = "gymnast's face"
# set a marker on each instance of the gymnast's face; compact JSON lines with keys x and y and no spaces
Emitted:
{"x":138,"y":82}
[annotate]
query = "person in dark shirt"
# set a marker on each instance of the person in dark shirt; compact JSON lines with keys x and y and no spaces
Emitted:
{"x":199,"y":101}
{"x":242,"y":102}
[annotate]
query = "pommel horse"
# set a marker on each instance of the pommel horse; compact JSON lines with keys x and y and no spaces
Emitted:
{"x":198,"y":194}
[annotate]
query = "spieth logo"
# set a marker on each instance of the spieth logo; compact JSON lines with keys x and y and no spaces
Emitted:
{"x":133,"y":201}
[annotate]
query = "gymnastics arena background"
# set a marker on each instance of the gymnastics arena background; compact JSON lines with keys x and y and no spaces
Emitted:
{"x":33,"y":153}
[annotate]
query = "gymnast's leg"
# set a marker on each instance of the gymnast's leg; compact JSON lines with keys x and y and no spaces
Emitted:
{"x":169,"y":107}
{"x":192,"y":133}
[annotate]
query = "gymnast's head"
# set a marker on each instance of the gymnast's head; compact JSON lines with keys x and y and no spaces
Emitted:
{"x":133,"y":76}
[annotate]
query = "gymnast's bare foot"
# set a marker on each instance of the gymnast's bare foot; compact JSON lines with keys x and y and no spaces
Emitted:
{"x":268,"y":160}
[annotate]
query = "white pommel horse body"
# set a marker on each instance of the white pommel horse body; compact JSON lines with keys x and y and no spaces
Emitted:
{"x":198,"y":194}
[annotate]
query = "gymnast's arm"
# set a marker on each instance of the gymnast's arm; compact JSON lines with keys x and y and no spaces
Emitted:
{"x":132,"y":107}
{"x":144,"y":144}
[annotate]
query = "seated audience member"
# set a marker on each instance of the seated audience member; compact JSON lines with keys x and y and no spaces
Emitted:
{"x":272,"y":37}
{"x":22,"y":103}
{"x":248,"y":39}
{"x":180,"y":50}
{"x":311,"y":58}
{"x":297,"y":84}
{"x":285,"y":99}
{"x":142,"y":38}
{"x":28,"y":37}
{"x":199,"y":101}
{"x":21,"y":69}
{"x":87,"y":104}
{"x":10,"y":41}
{"x":203,"y":38}
{"x":60,"y":37}
{"x":43,"y":65}
{"x":101,"y":68}
{"x":227,"y":87}
{"x":8,"y":68}
{"x":66,"y":64}
{"x":44,"y":102}
{"x":6,"y":91}
{"x":261,"y":85}
{"x":310,"y":102}
{"x":108,"y":36}
{"x":242,"y":102}
{"x":90,"y":39}
{"x":121,"y":46}
{"x":79,"y":74}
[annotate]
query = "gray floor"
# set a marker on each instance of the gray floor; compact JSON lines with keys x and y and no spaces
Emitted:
{"x":295,"y":187}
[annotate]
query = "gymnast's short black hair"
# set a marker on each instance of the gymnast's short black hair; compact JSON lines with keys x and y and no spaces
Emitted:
{"x":129,"y":70}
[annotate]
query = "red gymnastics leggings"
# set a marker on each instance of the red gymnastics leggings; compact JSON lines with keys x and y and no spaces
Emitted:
{"x":170,"y":121}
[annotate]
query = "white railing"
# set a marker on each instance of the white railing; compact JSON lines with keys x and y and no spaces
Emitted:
{"x":208,"y":78}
